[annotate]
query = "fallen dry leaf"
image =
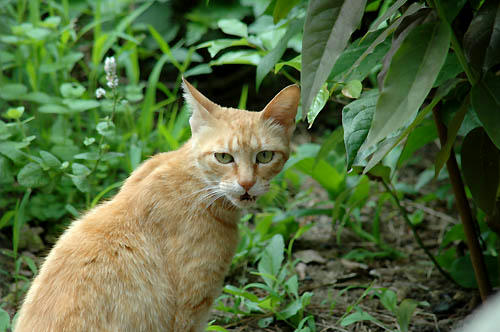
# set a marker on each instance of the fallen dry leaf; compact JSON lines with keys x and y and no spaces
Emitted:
{"x":310,"y":256}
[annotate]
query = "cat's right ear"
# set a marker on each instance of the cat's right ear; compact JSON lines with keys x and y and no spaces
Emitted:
{"x":200,"y":106}
{"x":283,"y":108}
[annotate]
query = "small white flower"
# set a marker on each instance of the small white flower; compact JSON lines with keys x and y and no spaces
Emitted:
{"x":110,"y":66}
{"x":110,"y":69}
{"x":100,"y":92}
{"x":112,"y":81}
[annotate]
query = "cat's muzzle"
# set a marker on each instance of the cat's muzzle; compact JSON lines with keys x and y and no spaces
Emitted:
{"x":247,"y":197}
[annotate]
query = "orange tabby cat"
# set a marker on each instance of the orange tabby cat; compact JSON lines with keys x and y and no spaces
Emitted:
{"x":154,"y":257}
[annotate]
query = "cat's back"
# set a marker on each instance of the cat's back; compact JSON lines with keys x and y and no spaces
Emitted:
{"x":104,"y":260}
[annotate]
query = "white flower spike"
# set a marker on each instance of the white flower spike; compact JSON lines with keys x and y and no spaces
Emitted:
{"x":110,"y":70}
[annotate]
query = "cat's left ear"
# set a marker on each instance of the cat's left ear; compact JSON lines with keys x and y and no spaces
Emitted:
{"x":201,"y":107}
{"x":282,"y":109}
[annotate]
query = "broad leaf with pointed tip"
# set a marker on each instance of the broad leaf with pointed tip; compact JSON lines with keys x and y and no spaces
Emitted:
{"x":356,"y":120}
{"x":412,"y":72}
{"x":482,"y":39}
{"x":329,"y":25}
{"x":32,"y":176}
{"x":318,"y":103}
{"x":480,"y":166}
{"x":486,"y":102}
{"x":271,"y":259}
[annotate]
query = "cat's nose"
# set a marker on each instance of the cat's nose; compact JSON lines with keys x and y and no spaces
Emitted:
{"x":247,"y":184}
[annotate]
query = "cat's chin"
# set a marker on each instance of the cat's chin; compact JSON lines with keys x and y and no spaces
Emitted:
{"x":243,"y":201}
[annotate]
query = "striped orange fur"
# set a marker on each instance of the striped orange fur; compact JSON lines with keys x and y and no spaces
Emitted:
{"x":154,"y":257}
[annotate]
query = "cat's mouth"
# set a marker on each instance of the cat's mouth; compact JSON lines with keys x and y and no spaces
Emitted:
{"x":247,"y":197}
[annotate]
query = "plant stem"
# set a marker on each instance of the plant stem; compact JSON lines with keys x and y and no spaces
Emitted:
{"x":290,"y":77}
{"x":101,"y":140}
{"x":476,"y":255}
{"x":415,"y":234}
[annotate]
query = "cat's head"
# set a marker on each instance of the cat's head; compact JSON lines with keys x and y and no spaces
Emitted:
{"x":238,"y":152}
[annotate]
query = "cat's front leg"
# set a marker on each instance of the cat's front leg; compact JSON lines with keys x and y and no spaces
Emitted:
{"x":193,"y":315}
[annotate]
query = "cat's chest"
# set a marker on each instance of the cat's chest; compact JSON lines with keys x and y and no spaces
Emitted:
{"x":201,"y":245}
{"x":210,"y":239}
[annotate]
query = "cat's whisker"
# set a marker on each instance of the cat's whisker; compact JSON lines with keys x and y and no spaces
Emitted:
{"x":209,"y":194}
{"x":194,"y":193}
{"x":215,"y":199}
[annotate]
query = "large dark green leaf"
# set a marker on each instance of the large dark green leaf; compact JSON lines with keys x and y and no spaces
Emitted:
{"x":373,"y":47}
{"x":408,"y":22}
{"x":441,"y":92}
{"x":413,"y":70}
{"x":463,"y":272}
{"x":480,"y":166}
{"x":482,"y":39}
{"x":470,"y":122}
{"x":355,"y":62}
{"x":271,"y":58}
{"x":451,"y":8}
{"x":486,"y":102}
{"x":450,"y":69}
{"x":356,"y":120}
{"x":329,"y":24}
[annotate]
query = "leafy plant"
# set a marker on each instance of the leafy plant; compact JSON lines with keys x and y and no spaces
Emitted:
{"x":278,"y":290}
{"x":388,"y":298}
{"x":425,"y":62}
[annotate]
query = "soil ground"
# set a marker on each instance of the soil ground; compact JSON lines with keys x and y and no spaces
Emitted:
{"x":413,"y":277}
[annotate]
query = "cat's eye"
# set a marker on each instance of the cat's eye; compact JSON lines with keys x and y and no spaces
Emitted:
{"x":223,"y":158}
{"x":263,"y":157}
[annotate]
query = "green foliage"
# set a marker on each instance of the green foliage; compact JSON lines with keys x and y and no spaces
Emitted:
{"x":388,"y":298}
{"x":480,"y":164}
{"x":329,"y":24}
{"x":487,"y":106}
{"x":410,"y":76}
{"x":424,"y":62}
{"x":4,"y":320}
{"x":282,"y":301}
